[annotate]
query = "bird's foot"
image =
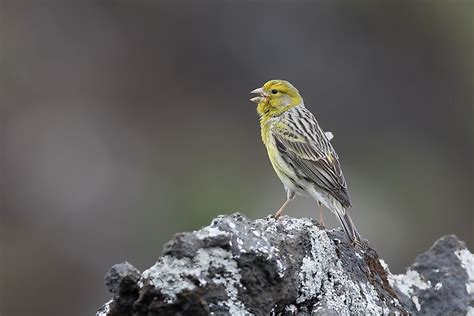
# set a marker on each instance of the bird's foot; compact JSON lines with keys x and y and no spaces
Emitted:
{"x":274,"y":216}
{"x":357,"y":243}
{"x":277,"y":215}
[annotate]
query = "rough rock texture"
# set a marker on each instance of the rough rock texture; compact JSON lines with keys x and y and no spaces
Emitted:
{"x":440,"y":282}
{"x":288,"y":267}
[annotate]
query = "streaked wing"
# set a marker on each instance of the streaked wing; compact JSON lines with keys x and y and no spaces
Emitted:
{"x":300,"y":139}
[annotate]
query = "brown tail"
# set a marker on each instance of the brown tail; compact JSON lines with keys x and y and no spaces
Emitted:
{"x":349,"y":227}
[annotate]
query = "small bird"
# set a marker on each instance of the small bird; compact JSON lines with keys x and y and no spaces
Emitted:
{"x":301,"y":153}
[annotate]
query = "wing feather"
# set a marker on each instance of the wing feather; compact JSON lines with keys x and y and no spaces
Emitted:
{"x":301,"y":140}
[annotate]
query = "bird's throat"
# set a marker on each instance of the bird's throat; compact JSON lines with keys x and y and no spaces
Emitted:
{"x":264,"y":108}
{"x":265,"y":125}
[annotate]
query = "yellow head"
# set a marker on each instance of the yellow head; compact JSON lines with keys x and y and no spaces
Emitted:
{"x":276,"y":97}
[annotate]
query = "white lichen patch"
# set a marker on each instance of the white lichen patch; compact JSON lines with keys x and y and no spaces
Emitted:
{"x":470,"y":311}
{"x":104,"y":311}
{"x":467,"y":262}
{"x":257,"y":240}
{"x":312,"y":273}
{"x":280,"y":268}
{"x":231,"y":225}
{"x":322,"y":276}
{"x":416,"y":302}
{"x":209,"y":232}
{"x":384,"y":266}
{"x":407,"y":283}
{"x":291,"y":309}
{"x":167,"y":274}
{"x":172,"y":276}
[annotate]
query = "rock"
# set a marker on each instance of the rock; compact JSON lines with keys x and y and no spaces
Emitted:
{"x":440,"y":282}
{"x":122,"y":281}
{"x":236,"y":266}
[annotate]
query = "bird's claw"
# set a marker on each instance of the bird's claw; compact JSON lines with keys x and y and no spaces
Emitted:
{"x":273,"y":216}
{"x":357,"y":242}
{"x":276,"y":216}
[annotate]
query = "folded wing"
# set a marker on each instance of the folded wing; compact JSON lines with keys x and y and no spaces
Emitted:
{"x":303,"y":142}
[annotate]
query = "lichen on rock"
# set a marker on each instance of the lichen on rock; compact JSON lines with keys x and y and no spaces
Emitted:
{"x":438,"y":282}
{"x":238,"y":266}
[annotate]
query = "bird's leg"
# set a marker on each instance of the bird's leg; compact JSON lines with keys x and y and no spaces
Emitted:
{"x":290,"y":196}
{"x":282,"y":208}
{"x":321,"y":218}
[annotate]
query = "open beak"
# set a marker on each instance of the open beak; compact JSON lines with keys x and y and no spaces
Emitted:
{"x":262,"y":96}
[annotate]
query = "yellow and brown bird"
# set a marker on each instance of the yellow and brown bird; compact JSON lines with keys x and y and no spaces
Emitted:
{"x":300,"y":152}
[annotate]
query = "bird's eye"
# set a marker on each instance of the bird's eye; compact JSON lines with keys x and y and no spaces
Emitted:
{"x":274,"y":91}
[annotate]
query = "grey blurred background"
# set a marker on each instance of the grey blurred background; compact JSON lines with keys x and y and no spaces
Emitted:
{"x":124,"y":122}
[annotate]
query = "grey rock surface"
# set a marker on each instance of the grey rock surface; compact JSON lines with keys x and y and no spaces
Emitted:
{"x":238,"y":266}
{"x":440,"y":282}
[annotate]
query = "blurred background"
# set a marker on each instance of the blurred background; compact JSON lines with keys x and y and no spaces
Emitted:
{"x":124,"y":122}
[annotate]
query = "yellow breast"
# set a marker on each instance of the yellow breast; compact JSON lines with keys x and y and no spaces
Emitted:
{"x":284,"y":172}
{"x":265,"y":129}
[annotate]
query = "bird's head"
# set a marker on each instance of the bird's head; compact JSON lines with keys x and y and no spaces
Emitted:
{"x":276,"y":97}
